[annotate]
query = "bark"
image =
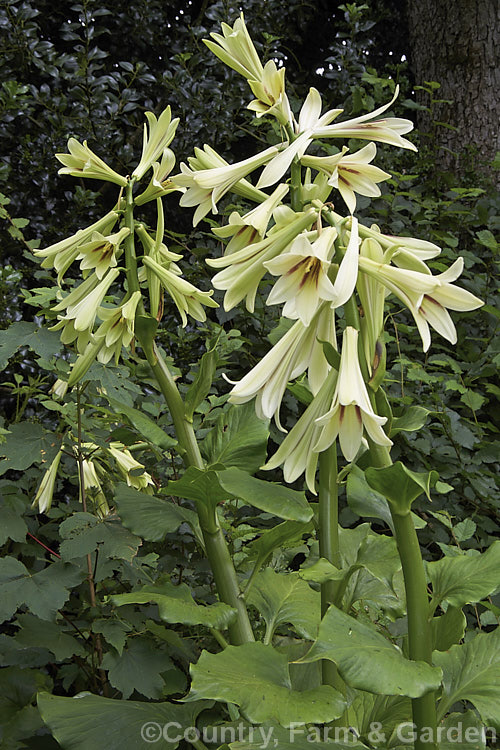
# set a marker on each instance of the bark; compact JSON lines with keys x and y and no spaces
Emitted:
{"x":457,"y":44}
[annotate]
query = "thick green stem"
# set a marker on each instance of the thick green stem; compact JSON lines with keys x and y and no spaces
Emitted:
{"x":329,"y":543}
{"x":215,"y":544}
{"x":417,"y":604}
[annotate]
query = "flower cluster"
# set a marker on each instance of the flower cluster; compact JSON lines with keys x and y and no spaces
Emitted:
{"x":320,"y":261}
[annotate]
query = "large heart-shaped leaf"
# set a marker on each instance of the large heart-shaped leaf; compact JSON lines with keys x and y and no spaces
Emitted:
{"x":466,"y":578}
{"x":282,"y":535}
{"x":367,"y":503}
{"x":256,"y":678}
{"x":400,"y":485}
{"x":144,"y":425}
{"x":87,"y":721}
{"x":368,"y":661}
{"x":176,"y":604}
{"x":286,"y":599}
{"x":273,"y":498}
{"x":151,"y":517}
{"x":199,"y":486}
{"x":471,"y":672}
{"x":378,"y":715}
{"x":238,"y":438}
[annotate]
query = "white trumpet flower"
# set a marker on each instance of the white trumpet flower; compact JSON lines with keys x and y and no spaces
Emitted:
{"x":158,"y":134}
{"x":81,"y":306}
{"x":100,"y":252}
{"x":350,"y":412}
{"x":296,"y":452}
{"x":303,"y":272}
{"x":425,"y":295}
{"x":82,"y":162}
{"x":289,"y":358}
{"x":389,"y":130}
{"x":243,"y":270}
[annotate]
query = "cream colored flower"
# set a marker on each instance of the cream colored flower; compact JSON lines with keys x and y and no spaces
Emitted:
{"x":45,"y":492}
{"x":158,"y":135}
{"x":127,"y":464}
{"x":289,"y":358}
{"x":117,"y":328}
{"x":236,"y":49}
{"x":188,"y":299}
{"x":82,"y":303}
{"x":350,"y":413}
{"x":82,"y":162}
{"x":296,"y":452}
{"x":351,"y":174}
{"x":160,"y":184}
{"x":388,"y":130}
{"x":426,"y":296}
{"x":100,"y":252}
{"x":62,"y":254}
{"x":243,"y":269}
{"x":303,"y":272}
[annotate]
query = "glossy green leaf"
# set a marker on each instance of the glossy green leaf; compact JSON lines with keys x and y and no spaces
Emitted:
{"x":238,"y":438}
{"x":286,"y":599}
{"x":144,"y":425}
{"x":148,"y":516}
{"x":199,"y":486}
{"x":284,"y":534}
{"x":81,"y":723}
{"x":368,"y":661}
{"x":462,"y":731}
{"x":83,"y":533}
{"x":256,"y":678}
{"x":176,"y":604}
{"x":43,"y":592}
{"x":448,"y":629}
{"x":27,"y":443}
{"x":466,"y":578}
{"x":13,"y":525}
{"x":471,"y":672}
{"x":413,"y":418}
{"x":273,"y":498}
{"x":383,"y":712}
{"x":399,"y":485}
{"x":367,"y":503}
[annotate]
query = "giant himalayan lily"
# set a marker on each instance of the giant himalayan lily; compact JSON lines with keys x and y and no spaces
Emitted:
{"x":425,"y":295}
{"x":296,"y":452}
{"x":389,"y":130}
{"x":303,"y":272}
{"x":128,"y":467}
{"x":209,"y":164}
{"x":351,"y":174}
{"x":158,"y":134}
{"x":100,"y":252}
{"x":243,"y":270}
{"x":45,"y":492}
{"x":298,"y":350}
{"x":312,"y":125}
{"x":372,"y":296}
{"x":117,"y":328}
{"x":350,"y":412}
{"x":251,"y":227}
{"x":82,"y":162}
{"x":271,"y":96}
{"x":160,"y":184}
{"x":236,"y":49}
{"x":187,"y":298}
{"x":82,"y":303}
{"x":62,"y":254}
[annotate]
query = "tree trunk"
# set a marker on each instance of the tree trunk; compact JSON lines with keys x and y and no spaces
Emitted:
{"x":457,"y":44}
